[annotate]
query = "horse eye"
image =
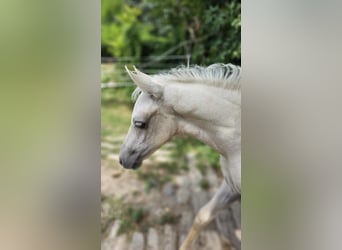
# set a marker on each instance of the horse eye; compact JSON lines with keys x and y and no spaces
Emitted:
{"x":139,"y":124}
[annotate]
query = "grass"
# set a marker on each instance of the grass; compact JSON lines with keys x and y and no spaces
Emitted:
{"x":116,"y":110}
{"x":132,"y":218}
{"x":116,"y":104}
{"x":206,"y":157}
{"x":108,"y":216}
{"x":153,"y":177}
{"x":114,"y":73}
{"x":115,"y":120}
{"x":168,"y":218}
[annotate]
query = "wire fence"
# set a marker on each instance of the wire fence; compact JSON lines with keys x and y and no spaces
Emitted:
{"x":113,"y":74}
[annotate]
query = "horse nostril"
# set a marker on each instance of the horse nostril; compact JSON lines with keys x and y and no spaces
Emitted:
{"x":120,"y":161}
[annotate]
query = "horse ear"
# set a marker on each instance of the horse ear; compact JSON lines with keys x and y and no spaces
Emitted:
{"x":145,"y":82}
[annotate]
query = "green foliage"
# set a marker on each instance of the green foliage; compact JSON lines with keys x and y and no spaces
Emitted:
{"x":212,"y":29}
{"x":221,"y":28}
{"x":132,"y":218}
{"x":207,"y":30}
{"x":168,"y":218}
{"x":205,"y":156}
{"x":153,"y":177}
{"x":122,"y":34}
{"x":107,"y":217}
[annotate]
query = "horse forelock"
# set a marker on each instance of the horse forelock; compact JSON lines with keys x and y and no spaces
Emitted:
{"x":136,"y":94}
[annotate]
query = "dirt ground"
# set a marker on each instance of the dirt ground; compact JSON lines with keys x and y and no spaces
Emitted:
{"x":163,"y":206}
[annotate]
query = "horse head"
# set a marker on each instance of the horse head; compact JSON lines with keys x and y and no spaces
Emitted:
{"x":151,"y":123}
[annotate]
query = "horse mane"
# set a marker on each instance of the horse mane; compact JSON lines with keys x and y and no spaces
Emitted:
{"x":220,"y":75}
{"x":225,"y":76}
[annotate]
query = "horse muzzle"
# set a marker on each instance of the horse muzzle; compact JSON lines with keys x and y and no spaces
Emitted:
{"x":130,"y":159}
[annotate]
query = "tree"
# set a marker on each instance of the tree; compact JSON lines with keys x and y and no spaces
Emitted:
{"x":208,"y":30}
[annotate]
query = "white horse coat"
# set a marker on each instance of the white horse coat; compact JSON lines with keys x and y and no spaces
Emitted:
{"x":198,"y":101}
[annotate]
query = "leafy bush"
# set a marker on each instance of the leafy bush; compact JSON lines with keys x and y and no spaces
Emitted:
{"x":208,"y":30}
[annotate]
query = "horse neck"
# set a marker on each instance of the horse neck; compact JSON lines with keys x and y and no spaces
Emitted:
{"x":210,"y":114}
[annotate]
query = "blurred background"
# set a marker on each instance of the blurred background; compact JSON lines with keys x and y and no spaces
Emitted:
{"x":50,"y":129}
{"x":153,"y":207}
